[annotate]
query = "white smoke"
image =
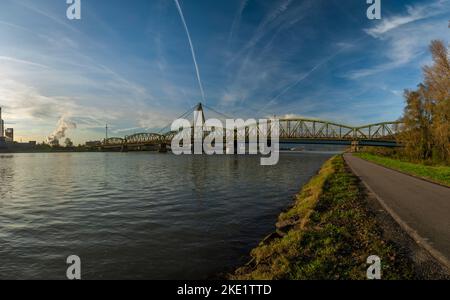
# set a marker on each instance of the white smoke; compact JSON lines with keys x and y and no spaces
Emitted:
{"x":63,"y":125}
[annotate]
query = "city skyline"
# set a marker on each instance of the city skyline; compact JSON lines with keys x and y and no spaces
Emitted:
{"x":132,"y":67}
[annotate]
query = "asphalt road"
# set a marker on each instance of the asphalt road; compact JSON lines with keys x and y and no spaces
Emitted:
{"x":421,"y":207}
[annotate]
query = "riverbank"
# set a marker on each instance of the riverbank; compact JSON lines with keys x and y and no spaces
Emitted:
{"x":437,"y":174}
{"x":329,"y":233}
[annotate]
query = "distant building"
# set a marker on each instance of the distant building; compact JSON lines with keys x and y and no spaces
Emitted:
{"x":2,"y":126}
{"x":6,"y":136}
{"x":93,"y":144}
{"x":9,"y":134}
{"x":7,"y":143}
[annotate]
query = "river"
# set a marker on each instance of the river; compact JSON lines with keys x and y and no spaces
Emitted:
{"x":140,"y":215}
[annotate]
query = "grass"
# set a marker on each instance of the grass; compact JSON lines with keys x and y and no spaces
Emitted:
{"x":327,"y":234}
{"x":439,"y":174}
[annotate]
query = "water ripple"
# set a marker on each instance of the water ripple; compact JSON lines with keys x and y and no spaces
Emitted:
{"x":139,"y":215}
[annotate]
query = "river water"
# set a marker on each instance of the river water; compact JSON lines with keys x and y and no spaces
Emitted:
{"x":140,"y":215}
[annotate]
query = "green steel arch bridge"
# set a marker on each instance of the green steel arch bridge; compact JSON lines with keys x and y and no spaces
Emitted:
{"x":292,"y":131}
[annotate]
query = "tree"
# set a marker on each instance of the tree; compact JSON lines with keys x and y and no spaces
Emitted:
{"x":437,"y":79}
{"x":426,"y":131}
{"x":417,"y":120}
{"x":68,"y":142}
{"x":54,"y":143}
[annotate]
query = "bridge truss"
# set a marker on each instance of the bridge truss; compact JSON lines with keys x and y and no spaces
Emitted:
{"x":317,"y":129}
{"x":293,"y":130}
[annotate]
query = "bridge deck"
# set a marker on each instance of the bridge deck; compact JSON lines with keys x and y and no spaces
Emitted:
{"x":293,"y":131}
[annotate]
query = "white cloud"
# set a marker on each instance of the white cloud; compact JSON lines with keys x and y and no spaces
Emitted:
{"x":27,"y":103}
{"x":403,"y":46}
{"x":228,"y":97}
{"x":155,"y":119}
{"x":413,"y":14}
{"x":293,"y":116}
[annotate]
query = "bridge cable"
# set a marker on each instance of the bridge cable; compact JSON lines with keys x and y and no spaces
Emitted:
{"x":219,"y":113}
{"x":180,"y":117}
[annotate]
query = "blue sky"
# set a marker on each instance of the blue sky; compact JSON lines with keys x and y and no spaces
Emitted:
{"x":129,"y":64}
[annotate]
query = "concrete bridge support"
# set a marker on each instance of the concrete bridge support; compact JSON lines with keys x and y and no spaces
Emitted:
{"x":355,"y":147}
{"x":163,"y":148}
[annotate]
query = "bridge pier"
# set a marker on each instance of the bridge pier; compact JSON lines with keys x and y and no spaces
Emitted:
{"x":163,"y":148}
{"x":228,"y":150}
{"x":355,"y":147}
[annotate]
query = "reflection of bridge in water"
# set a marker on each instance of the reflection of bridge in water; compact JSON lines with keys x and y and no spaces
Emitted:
{"x":292,"y":131}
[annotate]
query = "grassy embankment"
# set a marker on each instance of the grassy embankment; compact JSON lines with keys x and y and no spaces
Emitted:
{"x":327,"y":234}
{"x":439,"y":174}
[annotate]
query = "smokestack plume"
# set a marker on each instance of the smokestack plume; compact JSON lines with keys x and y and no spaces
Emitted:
{"x":61,"y":129}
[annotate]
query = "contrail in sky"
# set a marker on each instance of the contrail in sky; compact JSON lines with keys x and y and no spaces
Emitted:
{"x":303,"y":77}
{"x":237,"y":19}
{"x":306,"y":75}
{"x":192,"y":50}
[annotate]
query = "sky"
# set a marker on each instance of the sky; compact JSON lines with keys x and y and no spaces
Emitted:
{"x":131,"y":64}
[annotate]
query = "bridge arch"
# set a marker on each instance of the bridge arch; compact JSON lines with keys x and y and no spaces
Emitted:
{"x":296,"y":130}
{"x":113,"y":141}
{"x":144,"y":138}
{"x":318,"y":129}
